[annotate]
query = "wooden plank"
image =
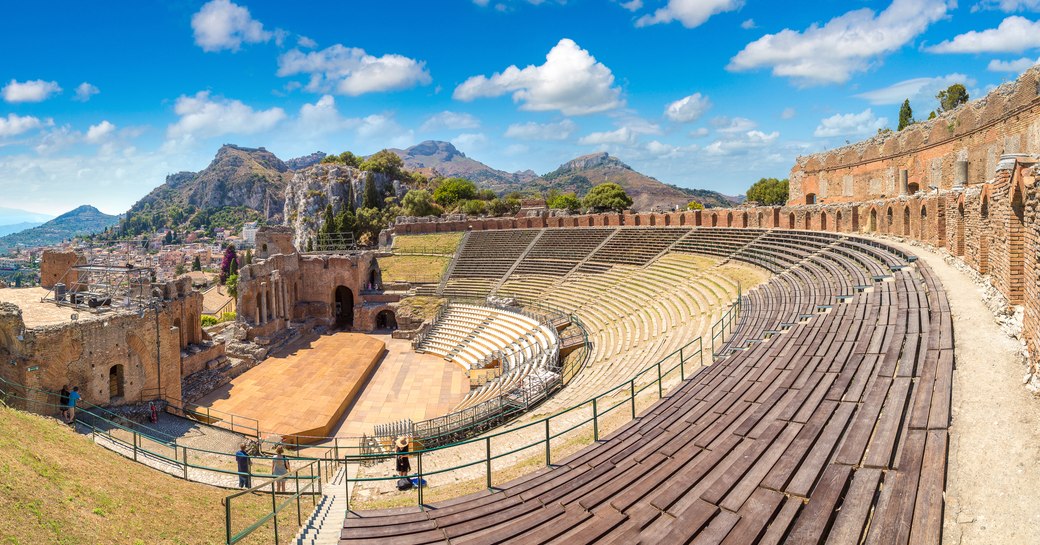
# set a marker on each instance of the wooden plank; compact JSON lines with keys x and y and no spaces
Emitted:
{"x":855,"y":508}
{"x":813,"y":521}
{"x":931,"y":498}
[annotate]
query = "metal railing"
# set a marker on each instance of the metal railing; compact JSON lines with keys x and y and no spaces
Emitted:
{"x":311,"y":477}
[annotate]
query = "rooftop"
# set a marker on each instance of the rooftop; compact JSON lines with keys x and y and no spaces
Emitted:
{"x":36,"y":313}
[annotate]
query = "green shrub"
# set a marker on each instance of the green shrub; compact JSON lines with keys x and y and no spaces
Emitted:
{"x":208,"y":321}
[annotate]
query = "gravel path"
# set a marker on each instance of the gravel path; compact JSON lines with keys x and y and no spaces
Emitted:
{"x":994,"y":466}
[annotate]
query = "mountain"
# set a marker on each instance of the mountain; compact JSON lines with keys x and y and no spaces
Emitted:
{"x":240,"y":184}
{"x":442,"y":158}
{"x":300,"y":163}
{"x":11,"y":216}
{"x":84,"y":220}
{"x":15,"y":227}
{"x":582,"y":173}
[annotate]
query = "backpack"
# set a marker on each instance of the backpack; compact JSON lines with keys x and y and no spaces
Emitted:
{"x":404,"y":484}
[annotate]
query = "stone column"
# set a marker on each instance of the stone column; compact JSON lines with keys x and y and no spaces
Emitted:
{"x":903,"y":178}
{"x":960,"y":174}
{"x":285,"y":298}
{"x":263,"y":303}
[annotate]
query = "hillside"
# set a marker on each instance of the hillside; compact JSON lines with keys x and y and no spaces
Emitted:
{"x":60,"y":488}
{"x":442,"y":158}
{"x":16,"y":227}
{"x":580,"y":174}
{"x":240,"y":184}
{"x":84,"y":220}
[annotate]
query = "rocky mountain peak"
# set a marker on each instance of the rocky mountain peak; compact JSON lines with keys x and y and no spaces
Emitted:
{"x":594,"y":160}
{"x":445,"y":151}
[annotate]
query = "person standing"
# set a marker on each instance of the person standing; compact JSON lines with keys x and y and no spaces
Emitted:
{"x":74,"y":398}
{"x":244,"y":463}
{"x":64,"y":401}
{"x":279,"y":467}
{"x":404,"y":467}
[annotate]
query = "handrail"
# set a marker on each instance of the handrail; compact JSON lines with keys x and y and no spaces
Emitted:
{"x":312,"y":487}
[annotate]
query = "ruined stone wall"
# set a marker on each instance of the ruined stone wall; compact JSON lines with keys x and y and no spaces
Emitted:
{"x":271,"y":240}
{"x":1005,"y":121}
{"x":55,"y":264}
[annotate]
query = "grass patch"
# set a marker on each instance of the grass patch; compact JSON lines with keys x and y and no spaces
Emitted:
{"x":59,"y":487}
{"x":421,"y":308}
{"x":413,"y":268}
{"x":435,"y":243}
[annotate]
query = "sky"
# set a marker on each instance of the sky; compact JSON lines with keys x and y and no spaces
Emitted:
{"x":100,"y":101}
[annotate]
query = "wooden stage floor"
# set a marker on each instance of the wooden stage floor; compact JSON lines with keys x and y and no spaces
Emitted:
{"x":303,"y":390}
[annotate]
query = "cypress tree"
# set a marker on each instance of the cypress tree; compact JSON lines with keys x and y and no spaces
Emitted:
{"x":906,"y":115}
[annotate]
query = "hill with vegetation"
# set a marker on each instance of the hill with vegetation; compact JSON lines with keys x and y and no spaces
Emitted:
{"x":239,"y":185}
{"x":435,"y":159}
{"x":85,"y":220}
{"x":61,"y":488}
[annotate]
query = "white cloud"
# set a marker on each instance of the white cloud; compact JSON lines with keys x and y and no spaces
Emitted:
{"x":351,"y":71}
{"x":97,"y":134}
{"x":861,"y":124}
{"x":624,"y":135}
{"x":449,"y":120}
{"x":632,"y":5}
{"x":788,"y":113}
{"x":571,"y":81}
{"x":542,"y":131}
{"x":30,"y":91}
{"x":203,"y":116}
{"x":1014,"y":34}
{"x":691,"y":13}
{"x":384,"y":128}
{"x":1007,"y":6}
{"x":688,"y":109}
{"x":84,"y":91}
{"x":1016,"y":66}
{"x":306,"y":43}
{"x":748,"y":24}
{"x":916,"y":88}
{"x":726,"y":125}
{"x":13,"y":125}
{"x":469,"y":141}
{"x":222,"y":24}
{"x":740,"y":144}
{"x":848,"y":43}
{"x":700,"y":132}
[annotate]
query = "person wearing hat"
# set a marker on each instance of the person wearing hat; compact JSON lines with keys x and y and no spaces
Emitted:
{"x":404,"y":467}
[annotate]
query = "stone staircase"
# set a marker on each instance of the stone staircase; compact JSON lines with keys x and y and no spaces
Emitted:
{"x":326,"y":522}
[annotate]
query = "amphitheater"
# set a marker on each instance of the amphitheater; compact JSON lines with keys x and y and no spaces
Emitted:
{"x":846,"y":368}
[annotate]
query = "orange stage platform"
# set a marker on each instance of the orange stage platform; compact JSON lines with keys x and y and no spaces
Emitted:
{"x":304,"y":391}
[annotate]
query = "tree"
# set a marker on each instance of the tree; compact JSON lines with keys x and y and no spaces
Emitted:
{"x":486,"y":194}
{"x":452,"y":190}
{"x":951,"y":97}
{"x":563,"y":201}
{"x":607,"y":197}
{"x":231,"y":284}
{"x":350,"y":159}
{"x":931,"y":115}
{"x":769,"y":191}
{"x":473,"y":207}
{"x":384,"y":162}
{"x":230,"y":259}
{"x":179,"y":269}
{"x":249,"y":257}
{"x":310,"y":244}
{"x":419,"y":202}
{"x":329,"y":226}
{"x":196,"y":264}
{"x":906,"y":115}
{"x":694,"y":205}
{"x":371,"y":197}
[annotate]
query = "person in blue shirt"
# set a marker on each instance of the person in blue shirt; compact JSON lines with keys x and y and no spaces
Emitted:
{"x":244,"y":462}
{"x":74,"y":396}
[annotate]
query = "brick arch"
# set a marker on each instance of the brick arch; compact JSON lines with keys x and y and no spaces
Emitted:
{"x":714,"y":219}
{"x":807,"y":220}
{"x":823,"y":220}
{"x":729,"y":219}
{"x":923,"y":223}
{"x":790,"y":220}
{"x":872,"y":220}
{"x":837,"y":221}
{"x":889,"y":220}
{"x":906,"y":220}
{"x":744,"y":219}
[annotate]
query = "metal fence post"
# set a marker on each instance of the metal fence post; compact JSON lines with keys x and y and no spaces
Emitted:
{"x":700,"y":349}
{"x":134,"y":437}
{"x":548,"y":455}
{"x":420,"y":479}
{"x":227,"y":521}
{"x":487,"y":454}
{"x":185,"y":451}
{"x":274,"y":510}
{"x":682,"y":365}
{"x":660,"y":385}
{"x":632,"y":385}
{"x":595,"y":421}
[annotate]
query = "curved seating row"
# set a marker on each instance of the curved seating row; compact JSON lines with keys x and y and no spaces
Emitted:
{"x":825,"y":420}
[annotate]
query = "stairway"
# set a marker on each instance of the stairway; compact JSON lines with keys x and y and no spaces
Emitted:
{"x":326,"y":522}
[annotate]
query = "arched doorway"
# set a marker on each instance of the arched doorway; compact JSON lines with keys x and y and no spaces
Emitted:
{"x":807,"y":222}
{"x":889,"y":225}
{"x":343,"y":310}
{"x":912,"y":188}
{"x":761,"y":218}
{"x":1016,"y":248}
{"x":386,"y":320}
{"x":837,"y":221}
{"x":906,"y":221}
{"x":873,"y":220}
{"x":729,"y":219}
{"x":984,"y":237}
{"x":744,"y":219}
{"x":714,"y":220}
{"x":958,"y":243}
{"x":823,"y":221}
{"x":115,"y":382}
{"x":374,"y":279}
{"x":790,"y":220}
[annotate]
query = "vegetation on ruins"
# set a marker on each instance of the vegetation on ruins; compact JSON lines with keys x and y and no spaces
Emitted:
{"x":568,"y":201}
{"x":419,"y":202}
{"x":607,"y":197}
{"x":951,"y":97}
{"x":452,"y":190}
{"x":228,"y":265}
{"x":906,"y":115}
{"x":769,"y":191}
{"x":694,"y":205}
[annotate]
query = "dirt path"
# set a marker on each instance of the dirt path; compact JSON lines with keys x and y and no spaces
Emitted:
{"x":993,"y":478}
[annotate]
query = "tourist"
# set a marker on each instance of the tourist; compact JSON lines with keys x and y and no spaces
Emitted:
{"x":64,"y":402}
{"x":73,"y":398}
{"x":404,"y":467}
{"x":279,"y":467}
{"x":244,"y":463}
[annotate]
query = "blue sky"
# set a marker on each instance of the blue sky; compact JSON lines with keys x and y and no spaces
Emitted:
{"x":99,"y":104}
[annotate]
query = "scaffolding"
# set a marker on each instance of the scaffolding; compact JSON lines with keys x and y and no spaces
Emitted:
{"x":334,"y":243}
{"x":103,"y":285}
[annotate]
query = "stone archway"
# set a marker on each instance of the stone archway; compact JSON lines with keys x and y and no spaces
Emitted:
{"x":872,"y":225}
{"x":386,"y":319}
{"x":744,"y":219}
{"x":1016,"y":248}
{"x":343,"y":307}
{"x":790,"y":220}
{"x":906,"y":221}
{"x":116,"y":382}
{"x":807,"y":221}
{"x":823,"y":221}
{"x":810,"y":198}
{"x":890,"y":223}
{"x":729,"y":219}
{"x":837,"y":221}
{"x":923,"y":228}
{"x":714,"y":220}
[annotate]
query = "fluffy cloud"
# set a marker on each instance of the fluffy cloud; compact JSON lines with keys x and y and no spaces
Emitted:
{"x":221,"y":24}
{"x":1016,"y":66}
{"x":13,"y":125}
{"x":97,"y":134}
{"x":1008,"y":6}
{"x":469,"y":141}
{"x":742,"y":143}
{"x":861,"y":124}
{"x":571,"y":81}
{"x":384,"y":128}
{"x":726,"y":125}
{"x":449,"y":120}
{"x":351,"y":71}
{"x":624,"y":135}
{"x":632,"y":5}
{"x":1014,"y":34}
{"x":29,"y":91}
{"x":688,"y":109}
{"x":846,"y":44}
{"x":203,"y":116}
{"x":691,"y":13}
{"x":84,"y":91}
{"x":748,"y":24}
{"x":916,"y":88}
{"x":541,"y":131}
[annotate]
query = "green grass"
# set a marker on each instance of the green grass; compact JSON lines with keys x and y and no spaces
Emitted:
{"x":58,"y":487}
{"x":413,"y":268}
{"x":419,"y":307}
{"x":435,"y":243}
